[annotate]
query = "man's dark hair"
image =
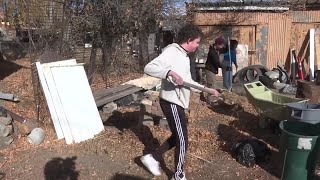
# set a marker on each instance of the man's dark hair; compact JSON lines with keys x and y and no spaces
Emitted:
{"x":233,"y":44}
{"x":189,"y":31}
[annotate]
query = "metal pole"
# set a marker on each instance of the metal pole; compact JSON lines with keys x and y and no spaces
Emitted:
{"x":230,"y":64}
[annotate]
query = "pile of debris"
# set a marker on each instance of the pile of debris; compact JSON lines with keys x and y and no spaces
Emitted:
{"x":6,"y":128}
{"x":277,"y":78}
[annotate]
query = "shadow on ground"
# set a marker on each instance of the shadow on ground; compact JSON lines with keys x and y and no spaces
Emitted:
{"x":228,"y":135}
{"x":132,"y":121}
{"x":59,"y":168}
{"x":12,"y":50}
{"x":249,"y":123}
{"x":246,"y":126}
{"x":7,"y":68}
{"x":2,"y":175}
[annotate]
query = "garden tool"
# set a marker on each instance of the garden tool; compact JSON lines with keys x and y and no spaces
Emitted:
{"x":230,"y":64}
{"x":221,"y":98}
{"x":301,"y":75}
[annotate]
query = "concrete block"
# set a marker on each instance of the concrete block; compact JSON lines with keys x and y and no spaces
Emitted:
{"x":163,"y":123}
{"x":149,"y":109}
{"x":146,"y":102}
{"x":110,"y":107}
{"x":154,"y":109}
{"x":5,"y":120}
{"x":5,"y":130}
{"x":3,"y":112}
{"x":7,"y":140}
{"x":4,"y":143}
{"x":147,"y":120}
{"x":155,"y":101}
{"x":135,"y":96}
{"x":158,"y":113}
{"x":148,"y":123}
{"x":153,"y":94}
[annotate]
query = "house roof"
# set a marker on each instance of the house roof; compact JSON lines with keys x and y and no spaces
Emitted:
{"x":256,"y":5}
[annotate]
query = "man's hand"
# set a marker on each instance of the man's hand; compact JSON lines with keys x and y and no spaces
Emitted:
{"x":176,"y":78}
{"x":214,"y":92}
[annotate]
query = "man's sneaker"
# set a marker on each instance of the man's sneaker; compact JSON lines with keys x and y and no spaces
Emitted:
{"x":183,"y":178}
{"x":152,"y":165}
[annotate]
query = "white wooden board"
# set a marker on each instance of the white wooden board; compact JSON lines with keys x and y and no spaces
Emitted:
{"x":52,"y":109}
{"x":64,"y":124}
{"x":77,"y":102}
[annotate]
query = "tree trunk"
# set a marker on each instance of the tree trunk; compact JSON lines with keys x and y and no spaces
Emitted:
{"x":106,"y":49}
{"x":93,"y":56}
{"x":143,"y":49}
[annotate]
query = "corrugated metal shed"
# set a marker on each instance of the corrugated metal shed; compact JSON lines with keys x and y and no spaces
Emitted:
{"x":306,"y":16}
{"x":229,"y":3}
{"x":274,"y":32}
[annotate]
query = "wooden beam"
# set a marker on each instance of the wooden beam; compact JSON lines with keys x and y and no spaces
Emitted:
{"x":106,"y":92}
{"x":317,"y":49}
{"x":117,"y":95}
{"x":309,"y":90}
{"x":312,"y":54}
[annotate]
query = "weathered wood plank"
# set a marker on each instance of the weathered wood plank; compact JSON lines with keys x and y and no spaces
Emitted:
{"x":307,"y":89}
{"x":106,"y":92}
{"x":77,"y":102}
{"x":53,"y":92}
{"x":317,"y":49}
{"x":118,"y":95}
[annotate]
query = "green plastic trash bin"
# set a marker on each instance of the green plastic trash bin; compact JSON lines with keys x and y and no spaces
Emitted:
{"x":298,"y":148}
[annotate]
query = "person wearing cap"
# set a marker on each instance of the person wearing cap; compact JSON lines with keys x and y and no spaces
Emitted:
{"x":213,"y":63}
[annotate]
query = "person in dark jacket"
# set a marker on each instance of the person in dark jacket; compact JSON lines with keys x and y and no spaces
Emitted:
{"x":213,"y":63}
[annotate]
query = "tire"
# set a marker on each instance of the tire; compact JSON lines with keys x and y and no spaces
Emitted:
{"x":235,"y":78}
{"x":283,"y":76}
{"x":250,"y":73}
{"x":243,"y":74}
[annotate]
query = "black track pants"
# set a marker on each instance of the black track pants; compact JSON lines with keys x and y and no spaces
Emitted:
{"x":178,"y":125}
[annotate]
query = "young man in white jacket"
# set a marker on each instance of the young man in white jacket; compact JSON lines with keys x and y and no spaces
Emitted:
{"x":173,"y":67}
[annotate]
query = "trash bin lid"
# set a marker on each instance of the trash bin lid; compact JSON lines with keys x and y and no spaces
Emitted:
{"x":300,"y":128}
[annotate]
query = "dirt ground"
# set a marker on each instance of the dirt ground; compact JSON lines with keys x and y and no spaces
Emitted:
{"x":114,"y":154}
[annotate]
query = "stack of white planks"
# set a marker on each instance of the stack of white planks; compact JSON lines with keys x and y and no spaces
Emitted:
{"x":70,"y":100}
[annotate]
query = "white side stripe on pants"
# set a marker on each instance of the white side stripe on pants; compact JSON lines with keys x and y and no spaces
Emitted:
{"x":181,"y":140}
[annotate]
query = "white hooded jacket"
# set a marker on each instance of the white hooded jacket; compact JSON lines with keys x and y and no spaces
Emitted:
{"x":173,"y":58}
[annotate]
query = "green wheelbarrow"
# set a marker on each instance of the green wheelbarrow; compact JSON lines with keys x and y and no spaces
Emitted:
{"x":268,"y":104}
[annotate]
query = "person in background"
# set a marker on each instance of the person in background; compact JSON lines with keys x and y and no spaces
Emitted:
{"x":173,"y":67}
{"x":213,"y":63}
{"x":227,"y":64}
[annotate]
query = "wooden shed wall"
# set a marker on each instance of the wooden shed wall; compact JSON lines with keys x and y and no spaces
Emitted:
{"x":268,"y":35}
